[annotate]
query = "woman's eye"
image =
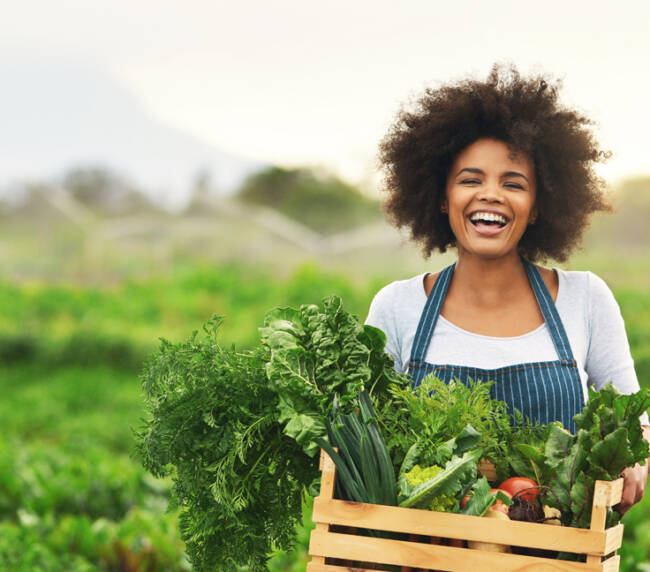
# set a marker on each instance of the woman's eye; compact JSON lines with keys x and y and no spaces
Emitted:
{"x":470,"y":182}
{"x":514,"y":185}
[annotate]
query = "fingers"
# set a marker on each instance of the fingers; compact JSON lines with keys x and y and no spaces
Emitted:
{"x":633,"y":487}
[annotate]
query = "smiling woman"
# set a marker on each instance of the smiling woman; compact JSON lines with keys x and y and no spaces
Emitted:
{"x":504,"y":173}
{"x":490,"y":198}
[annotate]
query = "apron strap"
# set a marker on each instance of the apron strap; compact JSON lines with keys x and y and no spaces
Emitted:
{"x":429,"y":315}
{"x":433,"y":305}
{"x":550,"y":313}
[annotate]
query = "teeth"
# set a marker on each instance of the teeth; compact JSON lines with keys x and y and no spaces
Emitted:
{"x":489,"y":217}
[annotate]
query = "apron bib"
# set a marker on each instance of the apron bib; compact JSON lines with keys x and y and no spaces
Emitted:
{"x":542,"y":391}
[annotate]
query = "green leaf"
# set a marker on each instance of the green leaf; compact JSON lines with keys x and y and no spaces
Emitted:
{"x":558,"y":445}
{"x":467,"y":439}
{"x":568,"y":471}
{"x":532,"y":453}
{"x":353,"y":484}
{"x":370,"y":471}
{"x":305,"y":429}
{"x":410,"y":459}
{"x":482,"y":499}
{"x":611,"y":455}
{"x":581,"y":501}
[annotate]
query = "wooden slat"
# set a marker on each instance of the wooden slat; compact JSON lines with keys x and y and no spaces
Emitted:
{"x":328,"y":478}
{"x":448,"y":525}
{"x":615,"y":491}
{"x":612,"y":564}
{"x":331,"y":568}
{"x":327,"y":483}
{"x":404,"y":553}
{"x":605,"y":494}
{"x":614,"y":538}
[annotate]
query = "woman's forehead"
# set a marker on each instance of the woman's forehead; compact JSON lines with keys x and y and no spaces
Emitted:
{"x":491,"y":154}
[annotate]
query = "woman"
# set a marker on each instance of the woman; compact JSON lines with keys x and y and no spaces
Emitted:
{"x":504,"y":173}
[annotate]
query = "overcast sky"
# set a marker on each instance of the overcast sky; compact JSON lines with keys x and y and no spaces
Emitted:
{"x":301,"y":82}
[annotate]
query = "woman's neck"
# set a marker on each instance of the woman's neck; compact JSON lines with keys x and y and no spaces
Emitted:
{"x":489,"y":282}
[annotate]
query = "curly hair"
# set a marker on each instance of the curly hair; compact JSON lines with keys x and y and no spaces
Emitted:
{"x":422,"y":144}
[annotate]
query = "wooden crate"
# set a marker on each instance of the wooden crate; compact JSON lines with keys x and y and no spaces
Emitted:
{"x":329,"y":548}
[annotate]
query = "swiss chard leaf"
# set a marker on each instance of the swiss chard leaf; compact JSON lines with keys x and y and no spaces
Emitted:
{"x":558,"y":445}
{"x":611,"y":455}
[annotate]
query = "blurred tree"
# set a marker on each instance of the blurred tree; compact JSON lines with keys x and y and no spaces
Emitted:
{"x":106,"y":192}
{"x":317,"y":199}
{"x":627,"y":228}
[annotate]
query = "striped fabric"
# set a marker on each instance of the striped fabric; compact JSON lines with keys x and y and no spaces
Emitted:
{"x":542,"y":391}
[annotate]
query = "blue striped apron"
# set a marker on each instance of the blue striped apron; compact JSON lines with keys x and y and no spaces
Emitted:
{"x":542,"y":391}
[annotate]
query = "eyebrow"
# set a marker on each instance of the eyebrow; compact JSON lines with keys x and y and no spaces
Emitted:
{"x":481,"y":172}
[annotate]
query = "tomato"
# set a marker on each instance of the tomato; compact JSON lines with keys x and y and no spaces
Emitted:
{"x":513,"y":485}
{"x":463,"y":503}
{"x":498,"y":505}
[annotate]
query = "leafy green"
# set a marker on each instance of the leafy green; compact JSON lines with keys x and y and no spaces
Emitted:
{"x":434,"y":413}
{"x":609,"y":439}
{"x":238,"y":430}
{"x":525,"y":452}
{"x":316,"y":353}
{"x":481,"y":499}
{"x":214,"y":426}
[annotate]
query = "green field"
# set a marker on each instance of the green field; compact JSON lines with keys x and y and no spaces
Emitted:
{"x":72,"y":496}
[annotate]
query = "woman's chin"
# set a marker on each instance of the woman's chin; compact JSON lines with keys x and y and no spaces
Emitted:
{"x":492,"y":251}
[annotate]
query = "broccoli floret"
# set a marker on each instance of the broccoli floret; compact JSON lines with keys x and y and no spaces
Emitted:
{"x":418,"y":475}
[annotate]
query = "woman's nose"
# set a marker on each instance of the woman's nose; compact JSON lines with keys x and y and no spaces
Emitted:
{"x":490,"y":192}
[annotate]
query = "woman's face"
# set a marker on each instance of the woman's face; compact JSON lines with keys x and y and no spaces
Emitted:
{"x":490,"y":198}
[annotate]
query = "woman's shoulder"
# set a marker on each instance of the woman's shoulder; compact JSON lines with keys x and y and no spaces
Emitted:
{"x":583,"y":281}
{"x":397,"y":293}
{"x":407,"y":286}
{"x":583,"y":288}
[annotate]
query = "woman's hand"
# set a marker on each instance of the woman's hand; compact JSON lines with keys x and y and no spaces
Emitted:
{"x":634,"y":484}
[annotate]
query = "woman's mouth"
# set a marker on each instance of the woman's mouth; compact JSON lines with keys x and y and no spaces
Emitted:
{"x":488,"y":223}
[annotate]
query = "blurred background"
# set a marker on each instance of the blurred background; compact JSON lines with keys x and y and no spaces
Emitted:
{"x":164,"y":161}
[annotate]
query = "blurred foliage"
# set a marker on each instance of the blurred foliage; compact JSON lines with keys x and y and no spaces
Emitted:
{"x":322,"y":202}
{"x":627,"y":228}
{"x":71,"y":496}
{"x":105,"y":192}
{"x":119,"y":325}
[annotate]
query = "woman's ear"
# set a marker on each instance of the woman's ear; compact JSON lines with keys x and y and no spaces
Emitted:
{"x":532,"y":217}
{"x":443,"y":206}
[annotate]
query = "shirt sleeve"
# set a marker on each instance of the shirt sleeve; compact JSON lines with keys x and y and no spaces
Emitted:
{"x":608,"y":355}
{"x":382,"y":315}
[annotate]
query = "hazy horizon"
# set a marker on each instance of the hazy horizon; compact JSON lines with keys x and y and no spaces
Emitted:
{"x":295,"y":84}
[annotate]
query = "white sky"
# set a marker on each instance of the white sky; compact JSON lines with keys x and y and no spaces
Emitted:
{"x":304,"y":82}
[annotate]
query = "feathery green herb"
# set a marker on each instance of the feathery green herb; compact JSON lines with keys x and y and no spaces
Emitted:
{"x":238,"y":478}
{"x":435,"y":412}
